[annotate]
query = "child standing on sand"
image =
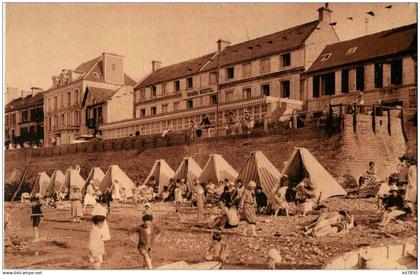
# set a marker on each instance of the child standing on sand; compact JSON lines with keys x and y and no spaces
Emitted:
{"x":216,"y":251}
{"x":36,"y":215}
{"x":96,"y":242}
{"x":178,"y":197}
{"x":148,"y":233}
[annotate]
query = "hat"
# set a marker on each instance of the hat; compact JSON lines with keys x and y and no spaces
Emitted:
{"x":182,"y":180}
{"x":274,"y":254}
{"x":252,"y":184}
{"x":393,"y":189}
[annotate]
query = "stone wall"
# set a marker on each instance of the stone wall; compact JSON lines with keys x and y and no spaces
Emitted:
{"x":345,"y":153}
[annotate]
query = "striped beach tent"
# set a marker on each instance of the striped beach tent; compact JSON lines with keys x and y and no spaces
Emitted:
{"x":162,"y":173}
{"x":42,"y":185}
{"x":324,"y":184}
{"x":189,"y":170}
{"x":217,"y":169}
{"x":57,"y":182}
{"x":97,"y":175}
{"x":259,"y":168}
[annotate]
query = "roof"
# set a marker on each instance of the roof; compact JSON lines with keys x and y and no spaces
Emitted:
{"x":381,"y":44}
{"x":248,"y":50}
{"x":24,"y":103}
{"x":175,"y":71}
{"x":100,"y":95}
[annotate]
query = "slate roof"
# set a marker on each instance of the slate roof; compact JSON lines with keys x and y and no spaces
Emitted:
{"x":24,"y":103}
{"x":248,"y":50}
{"x":100,"y":95}
{"x":390,"y":42}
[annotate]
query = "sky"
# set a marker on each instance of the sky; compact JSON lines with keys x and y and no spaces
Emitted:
{"x":42,"y":39}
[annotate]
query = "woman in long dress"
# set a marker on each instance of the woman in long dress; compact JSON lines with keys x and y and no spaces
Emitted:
{"x":101,"y":209}
{"x":76,"y":204}
{"x":248,"y":207}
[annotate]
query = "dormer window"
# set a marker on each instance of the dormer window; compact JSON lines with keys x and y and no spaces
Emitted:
{"x":325,"y":57}
{"x":351,"y":51}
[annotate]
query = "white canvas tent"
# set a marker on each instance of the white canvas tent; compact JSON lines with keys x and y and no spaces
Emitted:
{"x":217,"y":169}
{"x":259,"y":168}
{"x":97,"y":175}
{"x":57,"y":182}
{"x":162,"y":173}
{"x":188,"y":169}
{"x":118,"y":182}
{"x":302,"y":160}
{"x":73,"y":179}
{"x":42,"y":185}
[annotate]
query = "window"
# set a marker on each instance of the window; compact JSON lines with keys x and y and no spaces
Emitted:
{"x":25,"y":116}
{"x":246,"y":69}
{"x":345,"y":81}
{"x":142,"y":94}
{"x":153,"y":111}
{"x":265,"y":65}
{"x":68,"y":98}
{"x":164,"y":88}
{"x":229,"y":96}
{"x":62,"y":119}
{"x":315,"y":86}
{"x":360,"y":78}
{"x":230,"y":73}
{"x":213,"y":99}
{"x":189,"y":82}
{"x":351,"y":51}
{"x":285,"y":60}
{"x":177,"y":87}
{"x":55,"y":103}
{"x":325,"y":57}
{"x":378,"y":75}
{"x":213,"y":77}
{"x":165,"y":108}
{"x":153,"y":91}
{"x":190,"y":104}
{"x":328,"y":83}
{"x":49,"y":107}
{"x":176,"y":106}
{"x":61,"y":101}
{"x":265,"y":90}
{"x":396,"y":72}
{"x":247,"y":93}
{"x":285,"y":89}
{"x":76,"y":97}
{"x":76,"y":118}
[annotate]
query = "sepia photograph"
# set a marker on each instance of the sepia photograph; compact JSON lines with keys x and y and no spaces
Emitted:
{"x":209,"y":136}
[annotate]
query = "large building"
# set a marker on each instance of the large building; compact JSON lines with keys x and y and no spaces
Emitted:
{"x":24,"y":119}
{"x":262,"y":76}
{"x":80,"y":99}
{"x":382,"y":65}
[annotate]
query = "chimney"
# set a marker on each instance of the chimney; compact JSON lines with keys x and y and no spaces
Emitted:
{"x":324,"y":13}
{"x":21,"y":93}
{"x":221,"y":45}
{"x":156,"y":65}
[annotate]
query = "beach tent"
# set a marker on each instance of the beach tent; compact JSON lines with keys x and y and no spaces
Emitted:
{"x":302,"y":160}
{"x":217,"y":169}
{"x":259,"y":168}
{"x":162,"y":173}
{"x":57,"y":182}
{"x":15,"y":176}
{"x":97,"y":175}
{"x":73,"y":179}
{"x":42,"y":185}
{"x":118,"y":182}
{"x":188,"y":169}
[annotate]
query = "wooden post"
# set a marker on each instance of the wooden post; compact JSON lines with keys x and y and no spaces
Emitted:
{"x":402,"y":125}
{"x":374,"y":119}
{"x":389,"y":121}
{"x":355,"y":118}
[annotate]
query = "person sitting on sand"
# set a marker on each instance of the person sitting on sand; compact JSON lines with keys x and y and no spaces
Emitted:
{"x":217,"y":251}
{"x":164,"y":196}
{"x":384,"y":189}
{"x":370,"y":174}
{"x":36,"y":216}
{"x":210,"y":188}
{"x":394,"y":207}
{"x":96,"y":242}
{"x":326,"y":223}
{"x":226,"y":196}
{"x":228,"y":219}
{"x":304,"y":195}
{"x":147,"y":233}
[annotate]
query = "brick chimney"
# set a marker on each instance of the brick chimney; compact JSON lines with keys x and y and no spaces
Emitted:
{"x":324,"y":13}
{"x":221,"y":45}
{"x":156,"y":65}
